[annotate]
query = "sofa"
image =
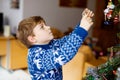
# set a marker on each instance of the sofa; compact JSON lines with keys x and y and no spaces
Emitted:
{"x":13,"y":54}
{"x":76,"y":69}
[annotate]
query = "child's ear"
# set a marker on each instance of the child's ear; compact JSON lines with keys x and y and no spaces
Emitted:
{"x":31,"y":39}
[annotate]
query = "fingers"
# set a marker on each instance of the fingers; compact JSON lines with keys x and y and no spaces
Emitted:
{"x":89,"y":20}
{"x":87,"y":13}
{"x":84,"y":12}
{"x":86,"y":21}
{"x":90,"y":14}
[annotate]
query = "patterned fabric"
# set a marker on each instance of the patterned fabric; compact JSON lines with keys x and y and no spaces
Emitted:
{"x":45,"y":61}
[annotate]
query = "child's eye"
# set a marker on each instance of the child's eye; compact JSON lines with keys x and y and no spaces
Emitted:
{"x":42,"y":27}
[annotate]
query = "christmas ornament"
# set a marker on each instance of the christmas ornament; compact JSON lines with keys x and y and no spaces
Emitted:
{"x":116,"y":19}
{"x":108,"y":13}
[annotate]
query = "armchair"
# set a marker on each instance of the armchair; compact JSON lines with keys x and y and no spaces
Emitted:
{"x":77,"y":67}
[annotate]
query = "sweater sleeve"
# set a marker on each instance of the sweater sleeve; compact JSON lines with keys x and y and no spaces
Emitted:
{"x":78,"y":31}
{"x":69,"y":45}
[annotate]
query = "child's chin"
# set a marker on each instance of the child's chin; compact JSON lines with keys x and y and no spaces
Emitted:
{"x":51,"y":37}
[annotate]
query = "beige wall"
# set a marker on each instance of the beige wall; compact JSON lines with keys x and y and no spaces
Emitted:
{"x":60,"y":17}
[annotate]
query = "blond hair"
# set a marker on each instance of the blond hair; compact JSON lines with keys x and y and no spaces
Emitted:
{"x":25,"y":28}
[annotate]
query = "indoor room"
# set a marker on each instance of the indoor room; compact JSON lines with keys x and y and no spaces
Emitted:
{"x":98,"y":56}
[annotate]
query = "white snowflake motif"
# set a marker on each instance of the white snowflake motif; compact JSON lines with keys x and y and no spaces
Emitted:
{"x":51,"y":73}
{"x":60,"y":60}
{"x":37,"y":62}
{"x":55,"y":52}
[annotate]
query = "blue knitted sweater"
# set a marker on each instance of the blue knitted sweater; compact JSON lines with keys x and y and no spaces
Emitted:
{"x":45,"y":61}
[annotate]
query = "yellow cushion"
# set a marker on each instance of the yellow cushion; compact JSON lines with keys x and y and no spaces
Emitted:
{"x":86,"y":50}
{"x":73,"y":69}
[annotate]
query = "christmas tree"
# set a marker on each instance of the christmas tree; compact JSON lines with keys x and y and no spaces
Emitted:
{"x":106,"y":71}
{"x":116,"y":10}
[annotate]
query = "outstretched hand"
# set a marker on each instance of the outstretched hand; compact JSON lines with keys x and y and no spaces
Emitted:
{"x":86,"y":21}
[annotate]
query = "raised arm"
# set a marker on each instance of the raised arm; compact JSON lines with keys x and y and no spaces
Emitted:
{"x":71,"y":43}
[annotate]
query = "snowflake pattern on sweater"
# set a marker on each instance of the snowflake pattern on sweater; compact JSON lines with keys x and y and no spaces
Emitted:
{"x":45,"y":61}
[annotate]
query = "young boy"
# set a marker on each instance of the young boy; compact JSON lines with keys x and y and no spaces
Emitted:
{"x":47,"y":55}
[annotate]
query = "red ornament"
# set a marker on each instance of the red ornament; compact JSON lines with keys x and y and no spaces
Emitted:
{"x":116,"y":19}
{"x":114,"y":72}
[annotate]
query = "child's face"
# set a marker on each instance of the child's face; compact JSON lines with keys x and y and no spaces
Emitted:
{"x":43,"y":34}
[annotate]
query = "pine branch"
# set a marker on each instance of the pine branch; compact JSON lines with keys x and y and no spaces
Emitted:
{"x":104,"y":71}
{"x":119,"y":1}
{"x":115,"y":48}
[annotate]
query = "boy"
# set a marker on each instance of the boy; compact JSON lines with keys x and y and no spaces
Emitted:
{"x":47,"y":55}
